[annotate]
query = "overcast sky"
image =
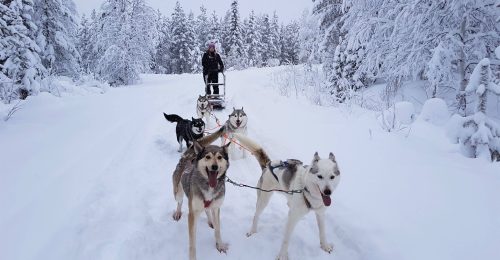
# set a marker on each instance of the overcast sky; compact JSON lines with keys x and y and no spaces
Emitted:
{"x":286,"y":9}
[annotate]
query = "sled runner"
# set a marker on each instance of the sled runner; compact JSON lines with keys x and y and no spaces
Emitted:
{"x":218,"y":101}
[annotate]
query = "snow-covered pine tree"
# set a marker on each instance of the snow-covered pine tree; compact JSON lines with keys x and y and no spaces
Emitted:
{"x":115,"y":62}
{"x":57,"y":23}
{"x":225,"y":25}
{"x":266,"y":39}
{"x":439,"y":71}
{"x":203,"y":29}
{"x":143,"y":34}
{"x":125,"y":40}
{"x":309,"y":34}
{"x":183,"y":43}
{"x":192,"y":39}
{"x":157,"y":37}
{"x":85,"y":45}
{"x":253,"y":41}
{"x":235,"y":51}
{"x":20,"y":63}
{"x":215,"y":32}
{"x":274,"y":47}
{"x":289,"y":50}
{"x":478,"y":135}
{"x":163,"y":55}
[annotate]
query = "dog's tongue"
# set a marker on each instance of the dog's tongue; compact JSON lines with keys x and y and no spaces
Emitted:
{"x":326,"y":200}
{"x":212,"y":179}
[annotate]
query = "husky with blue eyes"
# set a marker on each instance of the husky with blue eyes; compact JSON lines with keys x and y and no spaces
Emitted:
{"x":317,"y":182}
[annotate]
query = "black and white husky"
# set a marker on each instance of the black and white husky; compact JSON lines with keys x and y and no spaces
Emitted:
{"x":203,"y":108}
{"x":236,"y":123}
{"x":187,"y":130}
{"x":317,"y":181}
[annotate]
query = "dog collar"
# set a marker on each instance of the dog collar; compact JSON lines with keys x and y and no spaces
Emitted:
{"x":207,"y":203}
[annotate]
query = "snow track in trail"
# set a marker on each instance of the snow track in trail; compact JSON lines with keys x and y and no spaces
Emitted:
{"x":90,"y":178}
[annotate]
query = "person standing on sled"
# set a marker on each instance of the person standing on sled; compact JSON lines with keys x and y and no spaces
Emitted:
{"x":212,"y":65}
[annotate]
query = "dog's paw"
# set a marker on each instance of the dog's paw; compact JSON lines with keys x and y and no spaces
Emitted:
{"x":177,"y":215}
{"x":251,"y":232}
{"x":327,"y":247}
{"x":222,"y":247}
{"x":282,"y":256}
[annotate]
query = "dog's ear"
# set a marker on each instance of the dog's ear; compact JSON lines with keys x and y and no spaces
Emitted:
{"x":234,"y":109}
{"x":165,"y":115}
{"x":192,"y":119}
{"x":316,"y":157}
{"x":241,"y":108}
{"x":197,"y":147}
{"x":332,"y":157}
{"x":226,"y":148}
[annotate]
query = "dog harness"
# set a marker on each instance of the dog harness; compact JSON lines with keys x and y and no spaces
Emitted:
{"x":308,"y":204}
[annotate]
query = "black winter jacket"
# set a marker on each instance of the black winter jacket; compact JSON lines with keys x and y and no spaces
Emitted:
{"x":211,"y":63}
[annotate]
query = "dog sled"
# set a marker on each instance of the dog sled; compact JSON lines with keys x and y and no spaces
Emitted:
{"x":218,"y":101}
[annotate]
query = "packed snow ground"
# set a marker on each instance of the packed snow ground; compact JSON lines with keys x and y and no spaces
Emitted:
{"x":89,"y":177}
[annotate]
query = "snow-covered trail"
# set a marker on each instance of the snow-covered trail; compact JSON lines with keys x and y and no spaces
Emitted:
{"x":89,"y":178}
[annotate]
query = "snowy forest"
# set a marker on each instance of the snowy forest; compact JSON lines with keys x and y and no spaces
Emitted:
{"x":102,"y":103}
{"x":357,"y":44}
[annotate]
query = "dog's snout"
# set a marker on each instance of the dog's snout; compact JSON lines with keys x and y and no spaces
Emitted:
{"x":328,"y":192}
{"x":215,"y":167}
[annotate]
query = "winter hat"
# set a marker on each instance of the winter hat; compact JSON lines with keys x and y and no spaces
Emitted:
{"x":211,"y":45}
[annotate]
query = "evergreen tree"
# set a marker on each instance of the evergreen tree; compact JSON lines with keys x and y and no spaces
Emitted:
{"x":20,"y":63}
{"x":234,"y":44}
{"x":85,"y":45}
{"x":193,"y":44}
{"x":253,"y":41}
{"x":289,"y":46}
{"x":478,"y":135}
{"x":57,"y":30}
{"x":203,"y":29}
{"x":163,"y":49}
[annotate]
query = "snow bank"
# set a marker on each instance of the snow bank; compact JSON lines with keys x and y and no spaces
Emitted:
{"x":435,"y":111}
{"x":497,"y":52}
{"x":65,"y":86}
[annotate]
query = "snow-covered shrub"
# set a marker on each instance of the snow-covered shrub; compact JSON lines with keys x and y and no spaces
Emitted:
{"x":478,"y":135}
{"x":435,"y":111}
{"x":273,"y":62}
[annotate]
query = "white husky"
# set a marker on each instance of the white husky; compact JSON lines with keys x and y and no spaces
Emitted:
{"x":203,"y":108}
{"x":317,"y":181}
{"x":236,"y":123}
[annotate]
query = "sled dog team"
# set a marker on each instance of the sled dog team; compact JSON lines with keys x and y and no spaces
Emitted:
{"x":201,"y":172}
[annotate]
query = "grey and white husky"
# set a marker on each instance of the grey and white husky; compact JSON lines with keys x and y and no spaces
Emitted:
{"x":236,"y":123}
{"x":317,"y":181}
{"x":200,"y":175}
{"x":203,"y":108}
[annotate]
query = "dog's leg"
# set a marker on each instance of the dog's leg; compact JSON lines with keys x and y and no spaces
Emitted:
{"x":262,"y":201}
{"x":320,"y":217}
{"x":221,"y":246}
{"x":192,"y":220}
{"x":294,"y":215}
{"x":179,"y":196}
{"x":210,"y":218}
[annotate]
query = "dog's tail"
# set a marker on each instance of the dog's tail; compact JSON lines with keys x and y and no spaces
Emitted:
{"x":255,"y":148}
{"x":206,"y":140}
{"x":173,"y":118}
